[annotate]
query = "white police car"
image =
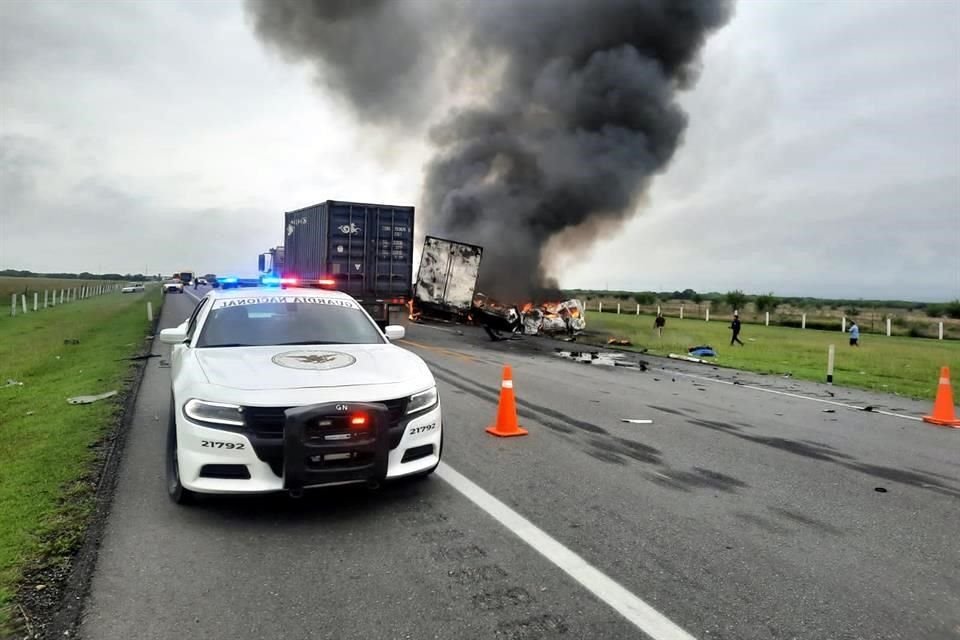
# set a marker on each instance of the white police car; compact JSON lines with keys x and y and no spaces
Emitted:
{"x":286,"y":389}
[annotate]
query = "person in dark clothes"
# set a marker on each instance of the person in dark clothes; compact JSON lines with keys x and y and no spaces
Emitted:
{"x":658,"y":324}
{"x":735,"y":326}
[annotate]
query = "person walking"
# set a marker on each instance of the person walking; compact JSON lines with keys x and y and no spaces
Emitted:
{"x":735,"y":327}
{"x":854,"y":334}
{"x":659,"y":323}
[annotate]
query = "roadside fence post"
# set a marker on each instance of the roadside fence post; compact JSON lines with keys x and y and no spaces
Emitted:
{"x":681,"y":312}
{"x":658,"y":309}
{"x":638,"y":309}
{"x":600,"y":310}
{"x":803,"y":321}
{"x":618,"y":308}
{"x":62,"y":292}
{"x":36,"y":297}
{"x":708,"y":314}
{"x":46,"y":295}
{"x":889,"y":332}
{"x":23,"y":301}
{"x":768,"y":319}
{"x":941,"y":330}
{"x":843,"y":325}
{"x":149,"y":312}
{"x":830,"y":355}
{"x":13,"y":306}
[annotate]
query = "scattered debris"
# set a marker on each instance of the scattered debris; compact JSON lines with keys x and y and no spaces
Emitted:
{"x":867,"y":408}
{"x":677,"y":356}
{"x":602,"y":359}
{"x":12,"y":383}
{"x":164,"y":364}
{"x":829,"y":411}
{"x":788,"y":375}
{"x":880,"y":489}
{"x":29,"y":413}
{"x":91,"y":399}
{"x":621,"y":342}
{"x":145,"y":356}
{"x":636,"y":421}
{"x":702,"y":351}
{"x":71,"y":341}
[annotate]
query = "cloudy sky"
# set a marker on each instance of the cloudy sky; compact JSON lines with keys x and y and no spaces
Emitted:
{"x":822,"y":156}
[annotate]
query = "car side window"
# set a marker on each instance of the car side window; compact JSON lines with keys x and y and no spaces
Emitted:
{"x":193,"y":319}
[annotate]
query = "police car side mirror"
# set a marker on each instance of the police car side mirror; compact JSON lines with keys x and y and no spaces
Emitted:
{"x":176,"y":335}
{"x":395,"y":332}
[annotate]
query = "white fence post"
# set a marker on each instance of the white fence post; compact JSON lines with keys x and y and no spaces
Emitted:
{"x":708,"y":314}
{"x":23,"y":301}
{"x":681,"y":312}
{"x":941,"y":330}
{"x":13,"y":306}
{"x":803,"y":321}
{"x":46,"y":295}
{"x":830,"y":355}
{"x":768,"y":319}
{"x":888,"y":328}
{"x":36,"y":297}
{"x":62,"y":293}
{"x":149,"y":311}
{"x":600,"y":310}
{"x":638,"y":309}
{"x":658,"y":309}
{"x":618,"y":308}
{"x":843,"y":325}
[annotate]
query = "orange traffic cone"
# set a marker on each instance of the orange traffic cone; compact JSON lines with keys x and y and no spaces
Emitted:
{"x":943,"y":406}
{"x":506,"y":424}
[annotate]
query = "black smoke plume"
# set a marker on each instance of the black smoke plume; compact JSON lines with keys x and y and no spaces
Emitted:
{"x":580,"y":114}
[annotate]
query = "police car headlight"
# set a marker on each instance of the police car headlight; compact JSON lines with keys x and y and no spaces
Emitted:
{"x":214,"y":412}
{"x":422,"y":401}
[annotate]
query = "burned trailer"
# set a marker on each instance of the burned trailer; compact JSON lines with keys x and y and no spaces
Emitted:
{"x":447,"y":280}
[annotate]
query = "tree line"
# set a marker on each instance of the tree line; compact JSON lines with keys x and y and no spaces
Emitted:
{"x":85,"y":275}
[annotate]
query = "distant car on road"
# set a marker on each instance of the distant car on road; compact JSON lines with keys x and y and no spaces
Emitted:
{"x":133,"y":287}
{"x":287,"y":389}
{"x":173,"y":286}
{"x":202,"y":281}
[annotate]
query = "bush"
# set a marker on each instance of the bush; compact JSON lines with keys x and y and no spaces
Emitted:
{"x":644,"y":298}
{"x":953,"y":309}
{"x":735,"y":299}
{"x":765,"y":302}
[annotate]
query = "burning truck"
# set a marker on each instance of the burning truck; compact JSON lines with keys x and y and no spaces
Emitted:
{"x":446,"y":290}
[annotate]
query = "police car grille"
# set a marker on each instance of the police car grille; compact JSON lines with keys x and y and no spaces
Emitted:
{"x":267,"y":422}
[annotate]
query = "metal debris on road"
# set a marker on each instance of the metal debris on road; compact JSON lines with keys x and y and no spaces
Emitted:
{"x":91,"y":399}
{"x":636,"y":421}
{"x":677,"y":356}
{"x":164,"y":364}
{"x":620,"y":342}
{"x":829,"y":411}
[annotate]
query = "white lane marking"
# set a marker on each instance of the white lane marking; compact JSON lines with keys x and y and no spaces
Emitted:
{"x":794,"y":395}
{"x":636,"y":611}
{"x":195,"y":297}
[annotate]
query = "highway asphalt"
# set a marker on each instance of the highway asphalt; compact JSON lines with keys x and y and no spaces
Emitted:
{"x":736,"y":513}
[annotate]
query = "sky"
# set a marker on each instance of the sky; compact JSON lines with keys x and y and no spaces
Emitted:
{"x":822,"y":156}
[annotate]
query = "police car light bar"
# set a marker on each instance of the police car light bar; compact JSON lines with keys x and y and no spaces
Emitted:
{"x":228,"y":280}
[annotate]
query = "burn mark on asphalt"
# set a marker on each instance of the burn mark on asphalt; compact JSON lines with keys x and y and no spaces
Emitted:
{"x":525,"y":409}
{"x":606,"y":456}
{"x":676,"y":412}
{"x":713,"y":424}
{"x":636,"y":450}
{"x":561,"y":428}
{"x":501,"y":598}
{"x":535,"y":628}
{"x":767,"y":525}
{"x":476,"y":575}
{"x":806,"y":520}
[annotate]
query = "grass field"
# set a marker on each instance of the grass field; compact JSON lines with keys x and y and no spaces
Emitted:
{"x":45,"y":445}
{"x":9,"y":286}
{"x":908,"y":366}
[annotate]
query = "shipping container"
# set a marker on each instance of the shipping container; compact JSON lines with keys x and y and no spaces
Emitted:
{"x":447,"y":278}
{"x":365,"y":249}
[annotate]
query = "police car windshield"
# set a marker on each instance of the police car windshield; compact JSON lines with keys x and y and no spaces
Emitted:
{"x":278,"y":320}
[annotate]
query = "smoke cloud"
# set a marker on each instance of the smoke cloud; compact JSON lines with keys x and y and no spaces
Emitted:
{"x":580,"y":115}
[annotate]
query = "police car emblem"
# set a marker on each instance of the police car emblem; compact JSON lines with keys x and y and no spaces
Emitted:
{"x":315,"y":360}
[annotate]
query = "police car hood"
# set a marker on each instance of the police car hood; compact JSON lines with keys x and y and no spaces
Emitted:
{"x":305,"y":367}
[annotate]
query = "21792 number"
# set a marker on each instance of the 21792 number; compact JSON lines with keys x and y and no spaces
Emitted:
{"x":222,"y":445}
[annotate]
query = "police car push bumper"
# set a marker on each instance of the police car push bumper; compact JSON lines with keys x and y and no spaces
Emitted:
{"x":310,"y":459}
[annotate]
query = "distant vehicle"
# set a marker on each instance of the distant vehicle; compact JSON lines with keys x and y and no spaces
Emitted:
{"x":173,"y":286}
{"x":363,"y":250}
{"x":447,"y":279}
{"x":287,"y":389}
{"x":186,"y":277}
{"x":211,"y":279}
{"x":133,"y":287}
{"x":270,"y":263}
{"x":202,"y":281}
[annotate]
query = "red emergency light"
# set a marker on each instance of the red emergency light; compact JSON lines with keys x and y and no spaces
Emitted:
{"x":359,"y":420}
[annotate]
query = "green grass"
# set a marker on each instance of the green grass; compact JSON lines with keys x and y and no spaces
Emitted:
{"x":45,"y":451}
{"x":908,"y":366}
